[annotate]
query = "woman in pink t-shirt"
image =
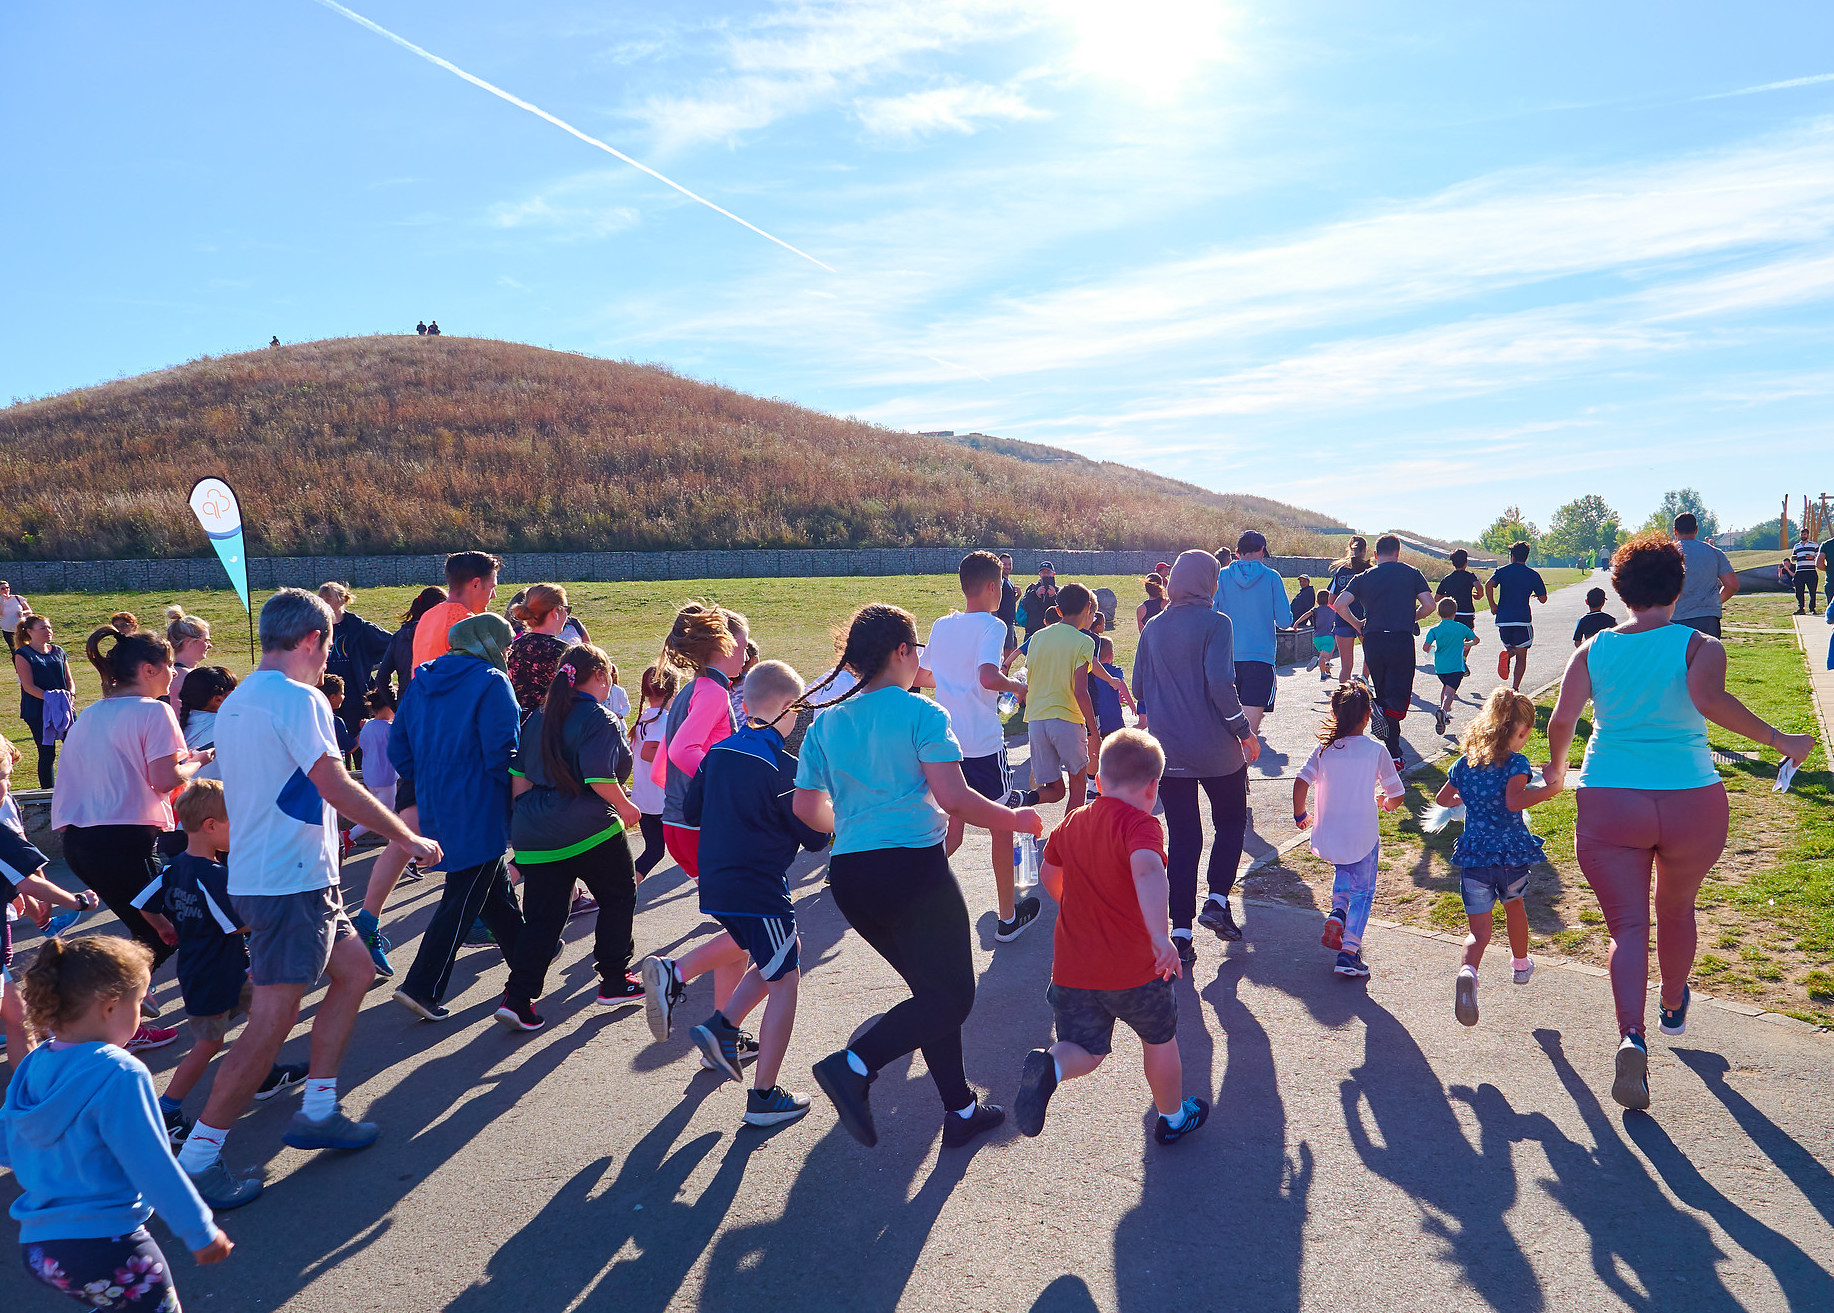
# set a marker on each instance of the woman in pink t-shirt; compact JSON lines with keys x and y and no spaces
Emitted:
{"x":124,"y":757}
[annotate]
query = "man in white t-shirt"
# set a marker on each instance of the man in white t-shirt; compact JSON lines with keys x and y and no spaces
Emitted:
{"x":962,"y":662}
{"x":285,"y":785}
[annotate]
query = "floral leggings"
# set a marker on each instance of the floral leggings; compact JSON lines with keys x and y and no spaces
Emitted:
{"x":118,"y":1272}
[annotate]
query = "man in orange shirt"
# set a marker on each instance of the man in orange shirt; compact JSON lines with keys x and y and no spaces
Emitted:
{"x":471,"y":585}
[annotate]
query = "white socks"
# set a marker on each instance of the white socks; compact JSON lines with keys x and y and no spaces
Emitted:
{"x":1521,"y":963}
{"x":853,"y":1061}
{"x":1182,"y":934}
{"x":321,"y":1099}
{"x":1468,"y":970}
{"x":202,"y":1147}
{"x":1176,"y":1120}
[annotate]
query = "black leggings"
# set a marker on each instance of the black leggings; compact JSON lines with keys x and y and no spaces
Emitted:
{"x":117,"y":862}
{"x":547,"y":897}
{"x":654,"y":849}
{"x":32,"y":712}
{"x":906,"y":903}
{"x":132,"y":1262}
{"x":1807,"y":580}
{"x":1184,"y":825}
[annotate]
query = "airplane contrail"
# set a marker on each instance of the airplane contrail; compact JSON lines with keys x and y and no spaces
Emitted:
{"x":562,"y":124}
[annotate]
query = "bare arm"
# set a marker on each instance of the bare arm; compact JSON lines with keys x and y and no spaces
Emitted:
{"x":991,"y":678}
{"x":168,"y":773}
{"x":1342,"y":604}
{"x":648,"y":751}
{"x":1707,"y":688}
{"x":1575,"y":692}
{"x":1518,"y":796}
{"x":1728,"y":585}
{"x":1490,"y":593}
{"x":1447,"y":795}
{"x":23,"y":669}
{"x":1301,"y":791}
{"x":1424,"y":606}
{"x":1154,"y":893}
{"x":924,"y":679}
{"x":356,"y":803}
{"x":519,"y":785}
{"x":815,"y":809}
{"x":1080,"y":687}
{"x":953,"y":795}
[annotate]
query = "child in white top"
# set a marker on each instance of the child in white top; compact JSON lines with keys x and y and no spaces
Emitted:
{"x":658,"y":690}
{"x":1348,"y":769}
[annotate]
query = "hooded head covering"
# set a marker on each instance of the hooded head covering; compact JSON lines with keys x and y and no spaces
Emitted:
{"x":1193,"y":578}
{"x":483,"y":636}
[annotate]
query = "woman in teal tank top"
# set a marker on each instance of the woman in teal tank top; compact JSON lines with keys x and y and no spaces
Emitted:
{"x":1648,"y":794}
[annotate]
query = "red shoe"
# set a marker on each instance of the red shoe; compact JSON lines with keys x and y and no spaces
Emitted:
{"x":150,"y":1037}
{"x":346,"y":845}
{"x":1333,"y":937}
{"x":1502,"y":664}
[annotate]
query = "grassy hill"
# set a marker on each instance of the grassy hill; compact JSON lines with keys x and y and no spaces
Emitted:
{"x":381,"y":445}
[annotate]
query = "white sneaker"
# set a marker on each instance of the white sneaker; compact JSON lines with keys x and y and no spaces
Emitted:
{"x":1464,"y":997}
{"x":1524,"y":968}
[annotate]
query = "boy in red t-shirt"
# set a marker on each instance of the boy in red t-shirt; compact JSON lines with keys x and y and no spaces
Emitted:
{"x":1114,"y":959}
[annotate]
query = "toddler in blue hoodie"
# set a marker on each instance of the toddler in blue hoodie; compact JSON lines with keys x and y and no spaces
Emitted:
{"x":82,"y":1133}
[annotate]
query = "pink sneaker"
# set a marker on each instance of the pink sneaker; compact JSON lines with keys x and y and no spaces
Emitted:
{"x":150,"y":1037}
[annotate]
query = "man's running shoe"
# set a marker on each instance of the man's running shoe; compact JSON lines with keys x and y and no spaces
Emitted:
{"x":718,"y":1041}
{"x":662,"y":990}
{"x":375,"y":941}
{"x":847,"y":1090}
{"x":150,"y":1037}
{"x":1187,"y":951}
{"x":1631,"y":1086}
{"x":63,"y":920}
{"x":1333,"y":936}
{"x":1196,"y":1112}
{"x":1464,"y":998}
{"x":1313,"y":663}
{"x":412,"y":874}
{"x":148,"y":1008}
{"x":1441,"y":720}
{"x":1674,"y":1021}
{"x":1022,"y":797}
{"x":1351,"y":964}
{"x":334,"y":1132}
{"x":1037,"y":1083}
{"x":1025,"y":911}
{"x":582,"y":904}
{"x":748,"y":1051}
{"x":519,"y":1014}
{"x":620,"y":989}
{"x":178,"y":1126}
{"x":774,"y":1107}
{"x":216,"y":1187}
{"x":1217,"y":916}
{"x":959,"y":1131}
{"x":282,"y":1077}
{"x":420,"y":1007}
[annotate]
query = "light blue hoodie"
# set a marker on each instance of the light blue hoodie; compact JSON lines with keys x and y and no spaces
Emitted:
{"x":82,"y":1132}
{"x":1253,"y":596}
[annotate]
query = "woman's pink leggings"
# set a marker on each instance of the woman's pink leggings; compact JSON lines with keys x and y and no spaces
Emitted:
{"x":1621,"y":834}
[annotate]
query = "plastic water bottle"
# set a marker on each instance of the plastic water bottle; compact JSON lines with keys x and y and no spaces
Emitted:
{"x":1027,"y":850}
{"x":1007,"y":703}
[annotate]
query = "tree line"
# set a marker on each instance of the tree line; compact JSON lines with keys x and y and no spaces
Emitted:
{"x":1588,"y":527}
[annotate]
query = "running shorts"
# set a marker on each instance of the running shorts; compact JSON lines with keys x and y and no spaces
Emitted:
{"x":684,"y":846}
{"x":770,"y":941}
{"x":1516,"y":637}
{"x":988,"y":776}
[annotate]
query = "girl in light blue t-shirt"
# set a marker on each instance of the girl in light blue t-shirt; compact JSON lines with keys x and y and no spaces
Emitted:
{"x":881,"y":771}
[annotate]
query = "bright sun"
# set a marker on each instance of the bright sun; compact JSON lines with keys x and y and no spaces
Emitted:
{"x":1153,"y":46}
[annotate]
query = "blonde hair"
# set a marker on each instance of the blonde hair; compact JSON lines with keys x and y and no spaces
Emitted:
{"x":201,"y":801}
{"x":69,"y":976}
{"x":1487,"y":739}
{"x":1131,"y":758}
{"x":335,"y":593}
{"x":182,"y":628}
{"x":701,"y":635}
{"x":769,"y":681}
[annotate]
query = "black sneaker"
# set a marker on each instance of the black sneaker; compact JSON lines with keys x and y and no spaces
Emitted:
{"x":847,"y":1090}
{"x":1025,"y":911}
{"x":1217,"y":916}
{"x":412,"y":874}
{"x":420,"y":1008}
{"x":1674,"y":1021}
{"x":1037,"y":1083}
{"x":1187,"y":951}
{"x":620,"y":989}
{"x":1440,"y":721}
{"x":662,"y":990}
{"x":519,"y":1014}
{"x":718,"y":1041}
{"x":774,"y":1107}
{"x":282,"y":1077}
{"x":178,"y":1126}
{"x":748,"y":1052}
{"x":1196,"y":1113}
{"x":958,"y":1131}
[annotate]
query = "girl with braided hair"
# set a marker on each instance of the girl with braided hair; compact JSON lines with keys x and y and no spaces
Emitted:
{"x":881,"y":770}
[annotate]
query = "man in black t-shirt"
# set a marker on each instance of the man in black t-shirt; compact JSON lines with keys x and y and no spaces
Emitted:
{"x":1395,"y":597}
{"x":1595,"y":620}
{"x":1009,"y":600}
{"x":1038,"y":599}
{"x":1462,"y":587}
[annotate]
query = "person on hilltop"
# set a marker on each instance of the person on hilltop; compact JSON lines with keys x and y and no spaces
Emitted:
{"x":43,"y":669}
{"x":421,"y":328}
{"x":433,"y":328}
{"x":284,"y":787}
{"x":1648,"y":795}
{"x":13,"y":609}
{"x":1252,"y":594}
{"x":1038,"y":599}
{"x":1710,"y":583}
{"x":357,"y":649}
{"x":274,"y":341}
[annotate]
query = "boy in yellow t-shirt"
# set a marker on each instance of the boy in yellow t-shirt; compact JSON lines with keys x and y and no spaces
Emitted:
{"x":1057,"y":709}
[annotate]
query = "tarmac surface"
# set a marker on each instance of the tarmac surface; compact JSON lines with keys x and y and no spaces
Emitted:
{"x":1365,"y":1150}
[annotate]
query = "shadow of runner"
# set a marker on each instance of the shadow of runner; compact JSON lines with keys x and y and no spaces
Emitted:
{"x":1067,"y":1294}
{"x":1802,"y":1167}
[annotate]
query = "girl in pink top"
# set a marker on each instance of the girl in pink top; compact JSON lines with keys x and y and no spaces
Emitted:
{"x":1348,"y":768}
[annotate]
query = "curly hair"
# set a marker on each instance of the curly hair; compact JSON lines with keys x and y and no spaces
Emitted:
{"x":1647,"y":572}
{"x":69,"y":976}
{"x":1489,"y":738}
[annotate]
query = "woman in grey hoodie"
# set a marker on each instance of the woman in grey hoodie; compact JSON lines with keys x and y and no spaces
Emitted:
{"x":1184,"y":682}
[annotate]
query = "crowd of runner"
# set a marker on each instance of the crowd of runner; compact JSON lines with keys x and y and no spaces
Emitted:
{"x":500,"y":752}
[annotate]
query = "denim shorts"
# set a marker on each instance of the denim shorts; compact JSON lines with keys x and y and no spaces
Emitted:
{"x":1086,"y":1017}
{"x":1483,"y":887}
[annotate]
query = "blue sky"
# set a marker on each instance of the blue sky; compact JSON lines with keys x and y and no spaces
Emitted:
{"x":1402,"y":263}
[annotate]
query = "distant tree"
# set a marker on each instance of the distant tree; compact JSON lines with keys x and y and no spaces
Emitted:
{"x":1583,"y":527}
{"x":1758,"y":538}
{"x":1674,"y":503}
{"x":1508,"y":529}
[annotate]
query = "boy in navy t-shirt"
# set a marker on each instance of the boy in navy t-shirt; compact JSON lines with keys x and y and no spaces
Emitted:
{"x":1596,"y":619}
{"x":193,"y":895}
{"x":1508,"y":591}
{"x":740,"y":798}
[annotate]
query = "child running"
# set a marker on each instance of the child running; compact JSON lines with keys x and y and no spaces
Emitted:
{"x":659,"y":684}
{"x":81,"y":1132}
{"x":1496,"y":849}
{"x":1347,"y":768}
{"x":742,"y":798}
{"x":193,"y":894}
{"x":1450,"y":641}
{"x":881,"y":770}
{"x":1596,"y":620}
{"x":1058,"y":715}
{"x":1114,"y":959}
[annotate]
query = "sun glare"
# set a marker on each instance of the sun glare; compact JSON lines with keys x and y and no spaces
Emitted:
{"x":1152,"y":46}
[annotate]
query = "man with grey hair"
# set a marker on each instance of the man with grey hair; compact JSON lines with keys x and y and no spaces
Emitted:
{"x":284,"y":784}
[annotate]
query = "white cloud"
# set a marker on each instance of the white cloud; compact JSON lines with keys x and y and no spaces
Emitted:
{"x":572,"y":209}
{"x":961,"y":108}
{"x":1771,"y":86}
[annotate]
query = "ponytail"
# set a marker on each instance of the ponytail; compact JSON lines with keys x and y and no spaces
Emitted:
{"x":120,"y":664}
{"x":1349,"y":714}
{"x":875,"y":632}
{"x":67,"y":977}
{"x":658,"y":682}
{"x":578,"y":664}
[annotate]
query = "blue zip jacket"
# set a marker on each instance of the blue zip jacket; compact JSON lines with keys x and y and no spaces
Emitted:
{"x":740,"y":798}
{"x":453,"y":736}
{"x":1253,"y":596}
{"x":82,"y":1133}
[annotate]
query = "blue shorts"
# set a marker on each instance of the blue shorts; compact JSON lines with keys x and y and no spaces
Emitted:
{"x":988,"y":776}
{"x":1254,"y":684}
{"x":1483,"y":887}
{"x":770,"y":941}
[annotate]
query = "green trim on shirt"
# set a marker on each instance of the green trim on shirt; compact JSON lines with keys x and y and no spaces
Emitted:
{"x":593,"y":779}
{"x":518,"y":774}
{"x":536,"y":856}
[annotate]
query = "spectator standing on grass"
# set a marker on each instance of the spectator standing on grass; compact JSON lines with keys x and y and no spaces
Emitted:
{"x":1648,"y":794}
{"x":357,"y":649}
{"x":1509,"y":591}
{"x":43,"y":668}
{"x":13,"y":609}
{"x":398,"y":663}
{"x":1155,"y":599}
{"x":1038,"y":599}
{"x":1709,"y":583}
{"x":1252,"y":594}
{"x":1184,"y":683}
{"x":1008,"y":609}
{"x":189,"y":636}
{"x":453,"y":738}
{"x":284,"y":788}
{"x":1806,"y":553}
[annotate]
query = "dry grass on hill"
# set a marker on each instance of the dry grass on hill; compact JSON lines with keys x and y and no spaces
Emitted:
{"x":406,"y":445}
